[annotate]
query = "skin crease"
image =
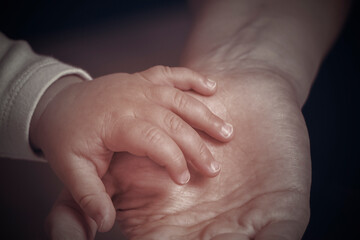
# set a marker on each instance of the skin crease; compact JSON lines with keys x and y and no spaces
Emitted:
{"x":264,"y":182}
{"x":265,"y":177}
{"x":264,"y":56}
{"x":85,"y":123}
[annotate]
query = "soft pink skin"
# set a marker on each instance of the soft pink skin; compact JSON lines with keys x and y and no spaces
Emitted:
{"x":142,"y":113}
{"x":264,"y":56}
{"x":262,"y":191}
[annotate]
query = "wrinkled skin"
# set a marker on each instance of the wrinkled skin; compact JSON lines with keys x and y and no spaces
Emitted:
{"x":262,"y":191}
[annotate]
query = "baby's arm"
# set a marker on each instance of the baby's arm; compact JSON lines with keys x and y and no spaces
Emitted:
{"x":142,"y":113}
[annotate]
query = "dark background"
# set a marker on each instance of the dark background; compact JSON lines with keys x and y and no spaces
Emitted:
{"x":126,"y":36}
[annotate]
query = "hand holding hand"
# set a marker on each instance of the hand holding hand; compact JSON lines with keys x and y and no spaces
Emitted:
{"x":262,"y":191}
{"x":140,"y":113}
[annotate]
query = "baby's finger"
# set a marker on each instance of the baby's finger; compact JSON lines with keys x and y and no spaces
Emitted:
{"x":194,"y":112}
{"x":181,"y":78}
{"x":189,"y":141}
{"x":141,"y":138}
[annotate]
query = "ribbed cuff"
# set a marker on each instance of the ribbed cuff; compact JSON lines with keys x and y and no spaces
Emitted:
{"x":22,"y":102}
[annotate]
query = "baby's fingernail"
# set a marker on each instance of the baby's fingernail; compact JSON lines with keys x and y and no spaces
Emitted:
{"x":214,"y":167}
{"x":227,"y":130}
{"x":211,"y":84}
{"x":185,"y":177}
{"x":100,"y":223}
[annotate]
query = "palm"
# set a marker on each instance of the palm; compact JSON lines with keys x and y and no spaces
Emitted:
{"x":264,"y":178}
{"x":263,"y":187}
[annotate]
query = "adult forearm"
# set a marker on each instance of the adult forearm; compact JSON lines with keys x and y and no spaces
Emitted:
{"x":285,"y":37}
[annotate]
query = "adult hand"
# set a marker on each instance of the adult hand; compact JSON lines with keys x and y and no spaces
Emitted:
{"x":262,"y":191}
{"x":264,"y":57}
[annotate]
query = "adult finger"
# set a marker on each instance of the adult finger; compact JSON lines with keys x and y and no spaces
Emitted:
{"x":81,"y":178}
{"x":181,"y":78}
{"x":142,"y":138}
{"x":188,"y":140}
{"x":194,"y":112}
{"x":67,"y":221}
{"x":283,"y":230}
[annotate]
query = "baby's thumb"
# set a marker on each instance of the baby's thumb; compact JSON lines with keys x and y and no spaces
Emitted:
{"x":89,"y":192}
{"x":67,"y":221}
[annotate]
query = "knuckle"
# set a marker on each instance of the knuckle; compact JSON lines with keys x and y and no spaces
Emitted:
{"x":175,"y":162}
{"x":173,"y":122}
{"x":203,"y":151}
{"x":153,"y":135}
{"x":195,"y":76}
{"x":180,"y":100}
{"x":86,"y":200}
{"x":149,"y":93}
{"x":167,"y":71}
{"x":186,"y":71}
{"x":157,"y":68}
{"x":151,"y":72}
{"x":178,"y":159}
{"x":164,"y":70}
{"x":205,"y":112}
{"x":209,"y":116}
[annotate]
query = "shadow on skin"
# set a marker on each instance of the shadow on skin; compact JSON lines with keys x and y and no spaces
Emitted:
{"x":261,"y":191}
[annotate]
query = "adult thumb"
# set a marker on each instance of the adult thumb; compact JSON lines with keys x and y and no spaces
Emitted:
{"x":81,"y":178}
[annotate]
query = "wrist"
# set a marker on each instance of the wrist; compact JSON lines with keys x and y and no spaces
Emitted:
{"x":286,"y":38}
{"x":256,"y":75}
{"x":54,"y":89}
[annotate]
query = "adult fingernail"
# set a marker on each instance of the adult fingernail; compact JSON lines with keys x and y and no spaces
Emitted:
{"x":211,"y":83}
{"x":214,"y":167}
{"x":185,"y":177}
{"x":227,"y":130}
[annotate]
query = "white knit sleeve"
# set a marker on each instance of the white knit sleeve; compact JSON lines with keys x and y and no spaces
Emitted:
{"x":24,"y":77}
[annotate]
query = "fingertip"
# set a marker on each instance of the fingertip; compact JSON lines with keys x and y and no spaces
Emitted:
{"x":100,"y":222}
{"x":105,"y":220}
{"x":104,"y":223}
{"x":184,"y":177}
{"x":211,"y":85}
{"x":205,"y":86}
{"x":227,"y":131}
{"x":215,"y":168}
{"x":101,"y":210}
{"x":211,"y":169}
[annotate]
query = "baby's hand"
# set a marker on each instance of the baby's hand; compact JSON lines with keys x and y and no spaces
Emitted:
{"x":140,"y":113}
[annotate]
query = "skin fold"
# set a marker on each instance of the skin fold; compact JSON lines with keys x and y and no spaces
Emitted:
{"x":86,"y":122}
{"x":262,"y":189}
{"x":264,"y":56}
